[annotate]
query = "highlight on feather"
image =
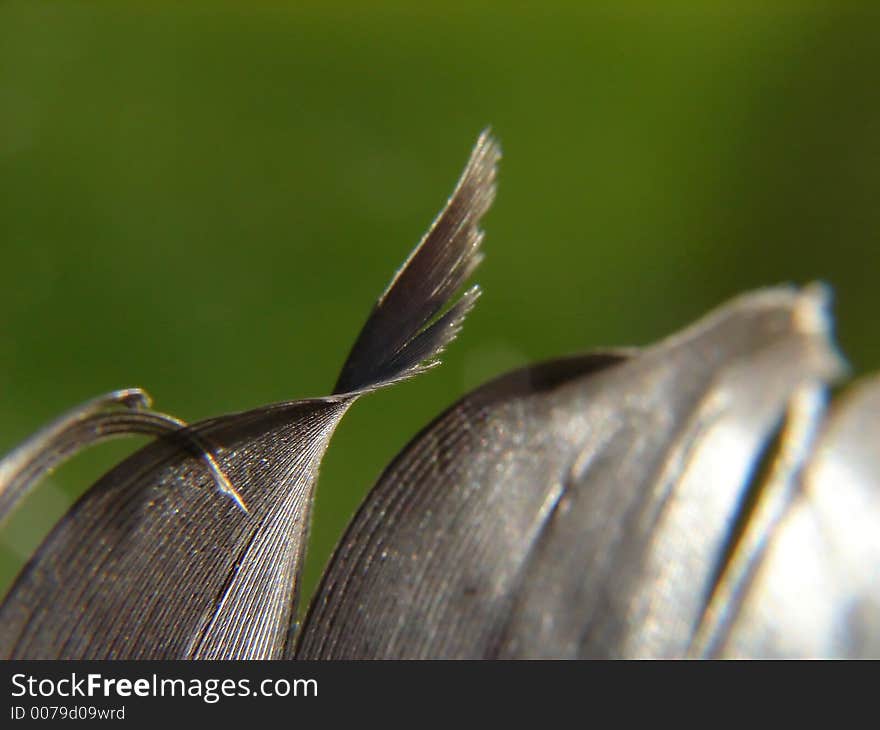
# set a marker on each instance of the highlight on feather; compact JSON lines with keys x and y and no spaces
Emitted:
{"x":805,"y":582}
{"x":146,"y":566}
{"x":119,"y":413}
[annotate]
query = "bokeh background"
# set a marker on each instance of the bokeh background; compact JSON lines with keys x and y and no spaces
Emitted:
{"x":205,"y":198}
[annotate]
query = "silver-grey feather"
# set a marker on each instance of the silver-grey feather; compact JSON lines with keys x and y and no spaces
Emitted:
{"x":582,"y":515}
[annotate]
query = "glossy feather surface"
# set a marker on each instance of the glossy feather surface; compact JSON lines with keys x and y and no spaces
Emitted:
{"x":574,"y":509}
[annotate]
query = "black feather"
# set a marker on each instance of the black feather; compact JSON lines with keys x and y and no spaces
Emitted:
{"x":444,"y":259}
{"x":149,"y":563}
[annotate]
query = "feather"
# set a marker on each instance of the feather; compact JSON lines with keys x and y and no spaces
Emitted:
{"x":150,"y":564}
{"x":120,"y":413}
{"x":447,"y":255}
{"x":808,"y":582}
{"x":578,"y":508}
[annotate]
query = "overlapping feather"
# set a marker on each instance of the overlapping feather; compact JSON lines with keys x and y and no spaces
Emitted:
{"x":154,"y":561}
{"x":588,"y":507}
{"x":694,"y":498}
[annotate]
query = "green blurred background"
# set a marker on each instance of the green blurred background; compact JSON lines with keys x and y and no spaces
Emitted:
{"x":204,"y":199}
